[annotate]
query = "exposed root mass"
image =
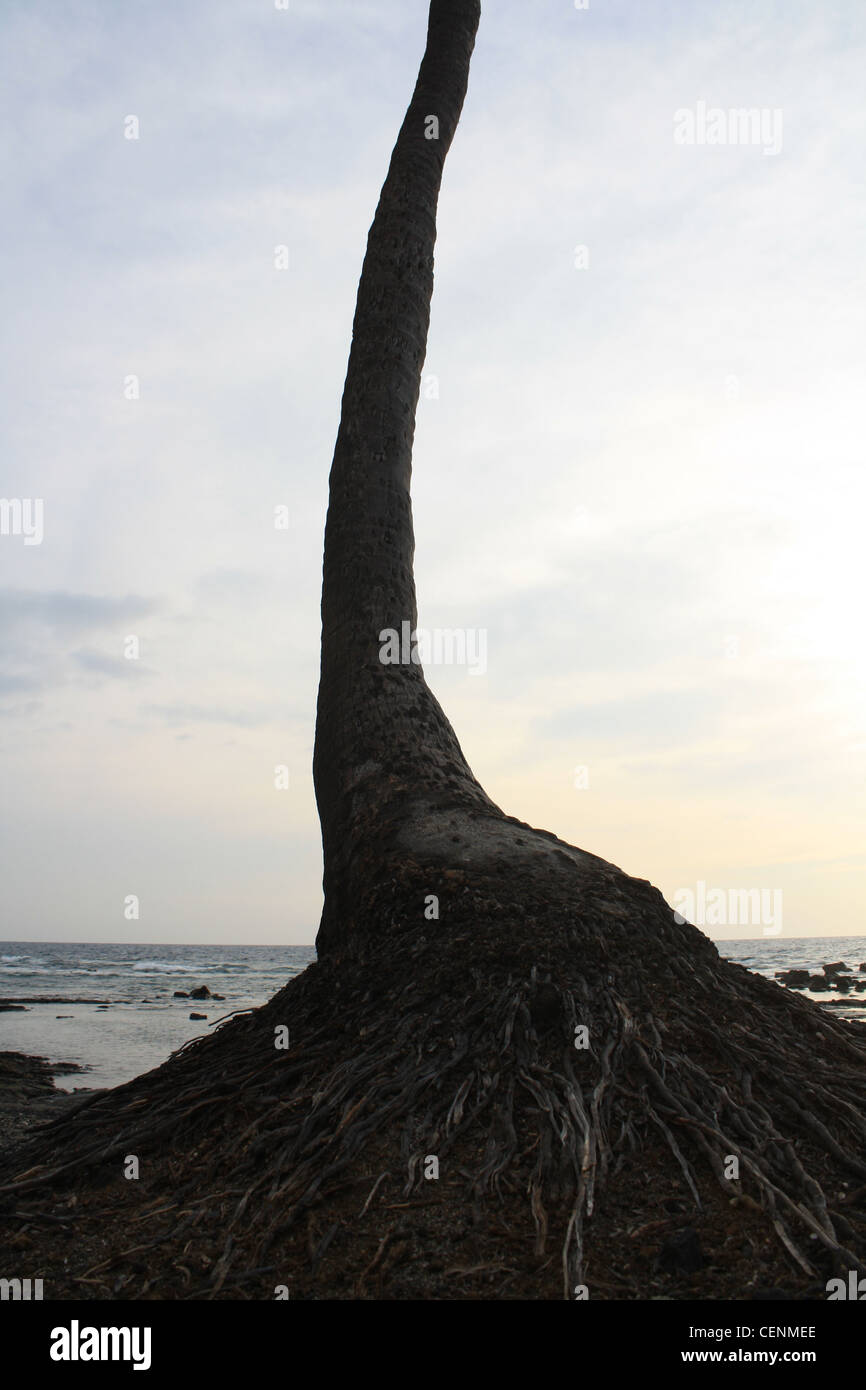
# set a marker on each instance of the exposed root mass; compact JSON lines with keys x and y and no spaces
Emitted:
{"x":707,"y":1140}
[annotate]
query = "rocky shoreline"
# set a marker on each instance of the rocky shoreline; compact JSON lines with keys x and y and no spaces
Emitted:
{"x":836,"y":976}
{"x":29,"y":1097}
{"x":15,"y":1003}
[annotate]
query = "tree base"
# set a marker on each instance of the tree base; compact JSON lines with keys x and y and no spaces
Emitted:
{"x":704,"y":1142}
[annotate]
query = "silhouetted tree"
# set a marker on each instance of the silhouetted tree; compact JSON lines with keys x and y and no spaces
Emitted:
{"x":385,"y":752}
{"x":581,"y":1065}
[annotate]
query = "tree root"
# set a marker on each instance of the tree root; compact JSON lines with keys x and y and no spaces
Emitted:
{"x":463,"y":1049}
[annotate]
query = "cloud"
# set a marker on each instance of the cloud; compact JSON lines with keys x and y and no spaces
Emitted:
{"x":64,"y":611}
{"x":119,"y":668}
{"x":664,"y":718}
{"x":11,"y":684}
{"x":233,"y":586}
{"x":204,"y":714}
{"x":38,"y":630}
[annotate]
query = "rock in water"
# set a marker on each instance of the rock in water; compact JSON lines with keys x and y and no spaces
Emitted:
{"x":794,"y":979}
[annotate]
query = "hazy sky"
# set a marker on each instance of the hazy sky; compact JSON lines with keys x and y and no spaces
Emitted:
{"x":642,"y":476}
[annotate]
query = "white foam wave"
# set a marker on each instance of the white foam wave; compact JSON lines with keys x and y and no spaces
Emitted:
{"x":167,"y":967}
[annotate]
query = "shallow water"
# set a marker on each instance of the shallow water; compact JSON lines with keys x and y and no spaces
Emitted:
{"x":143,"y":1024}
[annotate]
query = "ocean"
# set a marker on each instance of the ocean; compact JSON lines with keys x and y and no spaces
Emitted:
{"x":127,"y":1020}
{"x":112,"y":1009}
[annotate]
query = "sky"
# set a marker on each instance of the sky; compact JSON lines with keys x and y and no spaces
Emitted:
{"x":638,"y":466}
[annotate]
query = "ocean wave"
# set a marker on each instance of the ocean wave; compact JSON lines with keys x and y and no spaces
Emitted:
{"x":167,"y":967}
{"x":56,"y":970}
{"x":187,"y":967}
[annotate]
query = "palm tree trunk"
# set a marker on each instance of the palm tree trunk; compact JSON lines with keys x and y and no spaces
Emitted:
{"x":382,"y":740}
{"x":389,"y":773}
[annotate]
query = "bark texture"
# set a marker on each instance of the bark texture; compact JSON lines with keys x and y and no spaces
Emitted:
{"x":391,"y":779}
{"x":384,"y":749}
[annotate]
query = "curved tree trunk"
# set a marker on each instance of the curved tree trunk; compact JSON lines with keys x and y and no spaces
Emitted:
{"x":390,"y":776}
{"x":581,"y":1064}
{"x":384,"y":749}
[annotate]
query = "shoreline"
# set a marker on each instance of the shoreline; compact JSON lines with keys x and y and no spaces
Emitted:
{"x":121,"y":1009}
{"x":29,"y":1096}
